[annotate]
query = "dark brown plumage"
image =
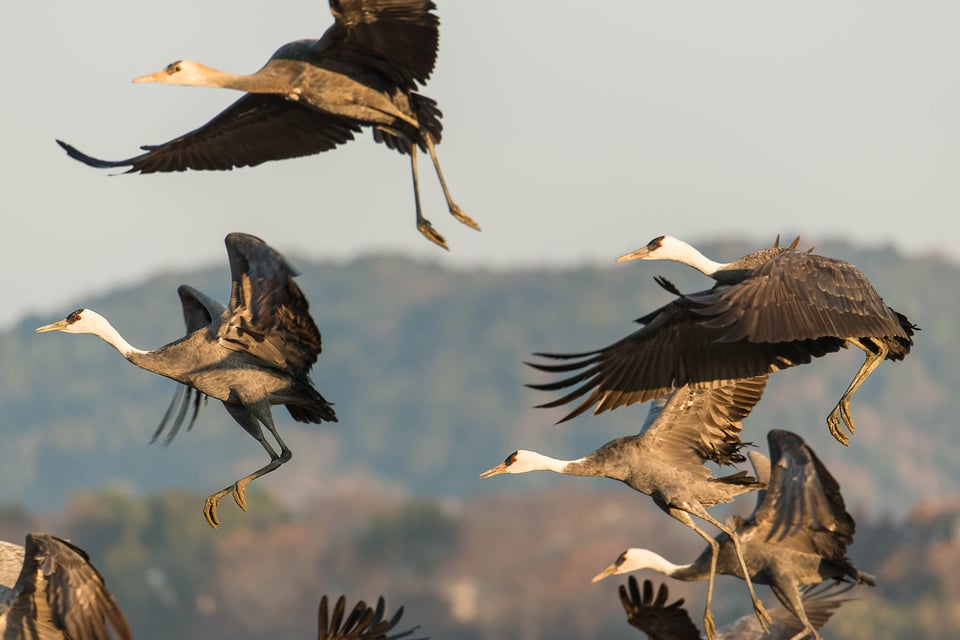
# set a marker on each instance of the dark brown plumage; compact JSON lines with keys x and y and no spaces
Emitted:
{"x":50,"y":591}
{"x":363,"y":622}
{"x":772,"y":309}
{"x":252,"y":354}
{"x":313,"y":95}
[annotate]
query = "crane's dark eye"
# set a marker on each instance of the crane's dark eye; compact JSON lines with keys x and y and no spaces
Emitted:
{"x":173,"y":67}
{"x":73,"y":317}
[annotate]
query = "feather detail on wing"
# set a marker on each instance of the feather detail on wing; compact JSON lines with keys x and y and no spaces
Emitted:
{"x":398,"y":38}
{"x":254,"y":129}
{"x":58,"y":588}
{"x":268,"y":316}
{"x":803,"y":505}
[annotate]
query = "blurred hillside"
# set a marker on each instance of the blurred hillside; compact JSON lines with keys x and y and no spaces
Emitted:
{"x":425,"y":367}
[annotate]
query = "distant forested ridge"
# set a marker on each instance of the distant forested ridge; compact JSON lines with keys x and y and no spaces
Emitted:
{"x":425,"y":366}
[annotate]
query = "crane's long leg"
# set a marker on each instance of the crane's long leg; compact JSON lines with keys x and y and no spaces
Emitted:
{"x":709,"y":625}
{"x":455,"y":210}
{"x":762,"y":614}
{"x":423,"y":225}
{"x":842,"y":410}
{"x":247,"y":416}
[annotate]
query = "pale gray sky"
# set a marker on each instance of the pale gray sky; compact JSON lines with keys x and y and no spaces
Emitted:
{"x":571,"y":136}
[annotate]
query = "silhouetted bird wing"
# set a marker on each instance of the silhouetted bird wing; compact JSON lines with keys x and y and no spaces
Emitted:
{"x":268,"y":316}
{"x":199,"y":311}
{"x":254,"y":129}
{"x":676,"y":347}
{"x":798,"y":296}
{"x":660,"y":621}
{"x":363,"y":623}
{"x":60,"y":594}
{"x":397,"y":38}
{"x":699,"y":424}
{"x":803,"y":507}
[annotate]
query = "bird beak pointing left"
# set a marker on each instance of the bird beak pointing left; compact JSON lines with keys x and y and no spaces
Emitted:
{"x":639,"y":254}
{"x":152,"y":77}
{"x":497,"y":470}
{"x":59,"y":325}
{"x":609,"y":571}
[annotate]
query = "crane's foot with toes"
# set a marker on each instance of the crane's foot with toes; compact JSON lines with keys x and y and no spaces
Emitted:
{"x":763,"y":617}
{"x":458,"y":213}
{"x":238,"y":490}
{"x":709,"y":626}
{"x":834,"y":424}
{"x":431,"y":234}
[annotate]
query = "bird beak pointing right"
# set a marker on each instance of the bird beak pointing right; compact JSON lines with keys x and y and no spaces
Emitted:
{"x":639,"y":254}
{"x":59,"y":325}
{"x":609,"y":571}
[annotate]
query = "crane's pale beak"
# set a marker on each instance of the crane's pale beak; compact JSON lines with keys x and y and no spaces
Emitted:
{"x":59,"y":325}
{"x":495,"y":471}
{"x":157,"y":76}
{"x":639,"y":254}
{"x":609,"y":571}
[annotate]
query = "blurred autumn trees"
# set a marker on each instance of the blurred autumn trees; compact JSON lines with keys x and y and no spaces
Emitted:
{"x":499,"y":565}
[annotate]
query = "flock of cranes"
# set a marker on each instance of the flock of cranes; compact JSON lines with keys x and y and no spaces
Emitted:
{"x":703,"y":360}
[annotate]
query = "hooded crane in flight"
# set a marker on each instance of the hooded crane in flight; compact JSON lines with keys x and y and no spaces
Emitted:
{"x":771,"y":309}
{"x":666,"y":460}
{"x":797,"y":534}
{"x":661,"y":621}
{"x":50,"y":591}
{"x":254,"y":353}
{"x":363,"y":623}
{"x":312,"y":95}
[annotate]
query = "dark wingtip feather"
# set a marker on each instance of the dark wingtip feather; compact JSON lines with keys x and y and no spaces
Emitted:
{"x":667,"y":285}
{"x":76,"y":154}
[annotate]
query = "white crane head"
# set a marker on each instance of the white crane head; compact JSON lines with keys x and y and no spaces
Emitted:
{"x":634,"y":559}
{"x":670,"y":248}
{"x":88,"y":321}
{"x":79,"y":321}
{"x":184,"y":72}
{"x":522,"y":461}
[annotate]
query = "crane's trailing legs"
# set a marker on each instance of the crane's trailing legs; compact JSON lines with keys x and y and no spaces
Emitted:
{"x":423,"y":225}
{"x":249,"y":417}
{"x":708,"y":623}
{"x":875,"y":356}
